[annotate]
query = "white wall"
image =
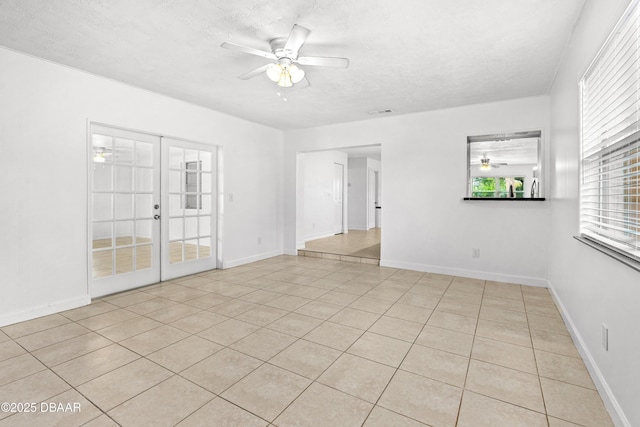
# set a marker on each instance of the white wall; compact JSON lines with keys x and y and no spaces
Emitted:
{"x":44,"y":109}
{"x":357,"y":193}
{"x":427,"y":225}
{"x":318,"y":216}
{"x":592,"y":288}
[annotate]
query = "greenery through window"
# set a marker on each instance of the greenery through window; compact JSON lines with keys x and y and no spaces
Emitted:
{"x":498,"y":187}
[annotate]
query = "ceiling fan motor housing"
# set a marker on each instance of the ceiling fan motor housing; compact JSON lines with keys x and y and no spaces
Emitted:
{"x":277,"y":47}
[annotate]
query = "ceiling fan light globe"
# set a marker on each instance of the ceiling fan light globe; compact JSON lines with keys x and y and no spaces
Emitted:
{"x":285,"y":80}
{"x":297,"y":74}
{"x":274,"y":72}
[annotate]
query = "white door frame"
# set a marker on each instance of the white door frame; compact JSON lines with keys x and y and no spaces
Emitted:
{"x":338,"y":197}
{"x":372,"y":190}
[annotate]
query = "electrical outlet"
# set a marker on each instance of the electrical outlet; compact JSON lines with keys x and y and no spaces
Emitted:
{"x":605,"y":337}
{"x":475,"y":253}
{"x":259,"y":240}
{"x":231,"y":197}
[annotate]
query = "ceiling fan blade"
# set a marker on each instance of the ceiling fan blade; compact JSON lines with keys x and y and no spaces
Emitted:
{"x":320,"y":61}
{"x":296,"y":38}
{"x":254,"y":73}
{"x":250,"y":50}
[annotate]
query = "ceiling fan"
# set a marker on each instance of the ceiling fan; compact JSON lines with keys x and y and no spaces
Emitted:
{"x":285,"y":52}
{"x":100,"y":154}
{"x":485,"y":163}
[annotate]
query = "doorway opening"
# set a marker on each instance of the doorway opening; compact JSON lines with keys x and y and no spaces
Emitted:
{"x":339,"y":204}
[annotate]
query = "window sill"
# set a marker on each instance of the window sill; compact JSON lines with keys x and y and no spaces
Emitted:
{"x":629,"y":262}
{"x":524,"y":199}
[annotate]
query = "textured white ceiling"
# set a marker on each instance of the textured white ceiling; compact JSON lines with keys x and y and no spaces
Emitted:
{"x":409,"y":55}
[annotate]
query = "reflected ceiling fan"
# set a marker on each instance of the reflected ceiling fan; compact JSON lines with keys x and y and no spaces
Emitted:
{"x":485,"y":163}
{"x":284,"y":52}
{"x":100,"y":154}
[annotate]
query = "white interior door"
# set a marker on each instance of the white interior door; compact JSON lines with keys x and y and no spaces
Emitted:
{"x":124,"y":234}
{"x":338,"y":195}
{"x":189,"y":192}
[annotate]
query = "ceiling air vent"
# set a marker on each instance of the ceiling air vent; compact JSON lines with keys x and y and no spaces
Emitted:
{"x":387,"y":111}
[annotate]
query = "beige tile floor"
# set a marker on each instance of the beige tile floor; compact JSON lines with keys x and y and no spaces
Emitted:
{"x":354,"y":244}
{"x":297,"y":341}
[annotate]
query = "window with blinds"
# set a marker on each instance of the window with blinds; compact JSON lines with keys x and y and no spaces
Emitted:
{"x":610,"y":134}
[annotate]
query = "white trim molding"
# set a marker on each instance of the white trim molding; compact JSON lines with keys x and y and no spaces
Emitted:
{"x":250,"y":259}
{"x":474,"y":274}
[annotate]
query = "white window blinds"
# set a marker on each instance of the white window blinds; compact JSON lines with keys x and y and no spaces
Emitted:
{"x":610,"y":185}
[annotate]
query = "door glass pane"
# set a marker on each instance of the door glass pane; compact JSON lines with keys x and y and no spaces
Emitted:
{"x":102,"y":177}
{"x":175,"y":182}
{"x":124,"y":151}
{"x":205,"y":161}
{"x":102,"y":207}
{"x":124,"y":233}
{"x":102,"y":149}
{"x":190,"y":155}
{"x":176,"y":230}
{"x":124,"y":206}
{"x":206,"y":183}
{"x":144,"y":205}
{"x":144,"y":231}
{"x":124,"y":178}
{"x":143,"y":257}
{"x":190,"y":228}
{"x":190,"y":250}
{"x":176,"y":158}
{"x":102,"y":263}
{"x":204,"y":247}
{"x":124,"y":260}
{"x":206,"y":205}
{"x":175,"y":252}
{"x":144,"y":180}
{"x":175,"y":205}
{"x":102,"y":235}
{"x":205,"y":226}
{"x":144,"y":154}
{"x":191,"y":204}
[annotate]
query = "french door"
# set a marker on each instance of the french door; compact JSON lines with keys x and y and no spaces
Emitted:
{"x":152,"y":209}
{"x":189,"y":196}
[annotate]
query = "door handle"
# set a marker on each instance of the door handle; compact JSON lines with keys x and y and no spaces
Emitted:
{"x":156,"y":216}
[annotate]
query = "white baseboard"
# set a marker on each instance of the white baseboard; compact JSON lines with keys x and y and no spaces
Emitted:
{"x":319,"y":236}
{"x":474,"y":274}
{"x":43,"y":310}
{"x":253,"y":258}
{"x":358,"y":227}
{"x":610,"y":402}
